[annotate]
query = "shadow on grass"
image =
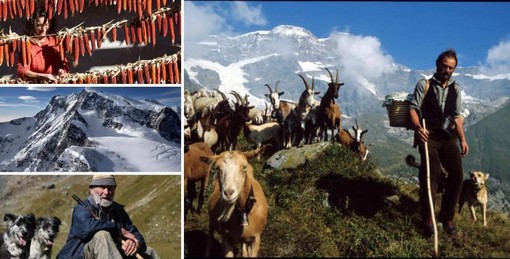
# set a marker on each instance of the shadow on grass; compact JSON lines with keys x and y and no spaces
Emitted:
{"x":196,"y":241}
{"x":364,"y":197}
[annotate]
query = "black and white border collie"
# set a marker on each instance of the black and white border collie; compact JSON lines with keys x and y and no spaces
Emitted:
{"x":46,"y":231}
{"x":15,"y":242}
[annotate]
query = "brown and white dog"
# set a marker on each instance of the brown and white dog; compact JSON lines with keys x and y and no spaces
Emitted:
{"x":475,"y":192}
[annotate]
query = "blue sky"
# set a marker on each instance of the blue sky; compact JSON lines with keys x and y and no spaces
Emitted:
{"x":411,"y":33}
{"x":17,"y":102}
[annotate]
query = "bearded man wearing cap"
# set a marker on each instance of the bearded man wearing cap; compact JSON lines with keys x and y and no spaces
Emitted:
{"x":102,"y":229}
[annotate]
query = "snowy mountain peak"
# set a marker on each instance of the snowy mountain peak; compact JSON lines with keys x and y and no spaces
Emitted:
{"x":93,"y":131}
{"x":292,"y":31}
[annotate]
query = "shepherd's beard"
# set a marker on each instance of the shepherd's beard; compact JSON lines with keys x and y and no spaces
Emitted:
{"x":103,"y":202}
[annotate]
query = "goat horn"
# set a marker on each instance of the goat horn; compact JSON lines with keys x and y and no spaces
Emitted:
{"x":313,"y":82}
{"x":238,"y":97}
{"x":222,"y":94}
{"x":276,"y":86}
{"x":362,"y":133}
{"x":269,"y":87}
{"x":330,"y":75}
{"x":356,"y":123}
{"x":304,"y":80}
{"x":336,"y":82}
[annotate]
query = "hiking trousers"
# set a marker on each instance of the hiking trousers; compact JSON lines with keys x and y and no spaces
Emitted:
{"x":443,"y":152}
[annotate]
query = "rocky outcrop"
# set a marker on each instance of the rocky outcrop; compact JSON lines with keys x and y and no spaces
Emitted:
{"x":296,"y":156}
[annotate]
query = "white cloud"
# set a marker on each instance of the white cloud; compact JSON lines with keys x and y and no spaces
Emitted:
{"x":28,"y":99}
{"x":41,"y":88}
{"x":249,"y":15}
{"x":203,"y":20}
{"x":361,"y":55}
{"x":498,"y":59}
{"x":200,"y":22}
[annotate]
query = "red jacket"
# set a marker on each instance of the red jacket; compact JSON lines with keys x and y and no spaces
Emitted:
{"x":45,"y":59}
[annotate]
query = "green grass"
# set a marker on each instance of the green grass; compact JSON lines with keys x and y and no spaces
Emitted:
{"x":340,"y":207}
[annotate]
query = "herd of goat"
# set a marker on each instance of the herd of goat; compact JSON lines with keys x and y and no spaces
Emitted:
{"x":211,"y":119}
{"x":237,"y":206}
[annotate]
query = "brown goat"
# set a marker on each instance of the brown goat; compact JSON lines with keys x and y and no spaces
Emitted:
{"x":195,"y":170}
{"x":347,"y":140}
{"x":328,"y":112}
{"x":237,"y":206}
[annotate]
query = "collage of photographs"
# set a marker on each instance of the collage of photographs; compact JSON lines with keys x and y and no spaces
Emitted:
{"x":174,"y":129}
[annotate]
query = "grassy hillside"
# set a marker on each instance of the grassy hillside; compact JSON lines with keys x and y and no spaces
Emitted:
{"x":490,"y":147}
{"x":337,"y":206}
{"x":153,"y":203}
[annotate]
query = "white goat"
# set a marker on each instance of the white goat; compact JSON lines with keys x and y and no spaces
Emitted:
{"x":259,"y":134}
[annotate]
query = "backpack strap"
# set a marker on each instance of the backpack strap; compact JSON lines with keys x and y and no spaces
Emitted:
{"x":426,"y":88}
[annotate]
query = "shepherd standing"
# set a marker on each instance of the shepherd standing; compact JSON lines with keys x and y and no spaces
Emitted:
{"x":438,"y":101}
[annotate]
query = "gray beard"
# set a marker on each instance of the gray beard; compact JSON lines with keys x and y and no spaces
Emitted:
{"x":102,"y":202}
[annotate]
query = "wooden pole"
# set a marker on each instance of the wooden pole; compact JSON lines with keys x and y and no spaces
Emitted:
{"x":431,"y":203}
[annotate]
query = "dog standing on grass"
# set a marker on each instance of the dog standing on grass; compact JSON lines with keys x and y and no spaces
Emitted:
{"x":15,"y":242}
{"x":475,"y":192}
{"x":45,"y":233}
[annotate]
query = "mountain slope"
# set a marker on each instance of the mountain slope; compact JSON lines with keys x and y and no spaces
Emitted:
{"x":93,"y":131}
{"x":337,"y":206}
{"x":246,"y":62}
{"x":489,"y":149}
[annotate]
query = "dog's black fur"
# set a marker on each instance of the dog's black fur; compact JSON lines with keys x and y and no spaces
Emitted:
{"x":15,"y":242}
{"x":45,"y":233}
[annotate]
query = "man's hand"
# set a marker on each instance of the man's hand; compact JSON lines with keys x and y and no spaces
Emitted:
{"x":464,"y":148}
{"x":129,"y":247}
{"x":424,"y":134}
{"x":130,"y":244}
{"x":50,"y":78}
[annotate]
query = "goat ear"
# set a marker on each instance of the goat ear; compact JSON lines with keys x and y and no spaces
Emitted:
{"x":486,"y":176}
{"x":266,"y":95}
{"x":365,"y":131}
{"x":251,"y":154}
{"x":316,"y":93}
{"x":281,"y":93}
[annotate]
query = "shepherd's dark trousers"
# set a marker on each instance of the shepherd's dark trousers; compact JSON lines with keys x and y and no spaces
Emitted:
{"x":445,"y":152}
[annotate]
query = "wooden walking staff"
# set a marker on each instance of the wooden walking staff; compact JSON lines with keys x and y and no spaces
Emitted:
{"x":431,"y":203}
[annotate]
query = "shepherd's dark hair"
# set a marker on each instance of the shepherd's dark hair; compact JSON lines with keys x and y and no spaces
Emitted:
{"x":450,"y":53}
{"x":31,"y":23}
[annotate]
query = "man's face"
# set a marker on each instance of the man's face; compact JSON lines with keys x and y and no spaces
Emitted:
{"x":41,"y":26}
{"x":103,"y":195}
{"x":446,"y":68}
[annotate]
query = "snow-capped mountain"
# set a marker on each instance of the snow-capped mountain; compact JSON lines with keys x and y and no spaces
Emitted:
{"x":93,"y":131}
{"x":247,"y":62}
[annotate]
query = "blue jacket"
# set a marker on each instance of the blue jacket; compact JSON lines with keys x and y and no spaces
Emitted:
{"x":84,"y":226}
